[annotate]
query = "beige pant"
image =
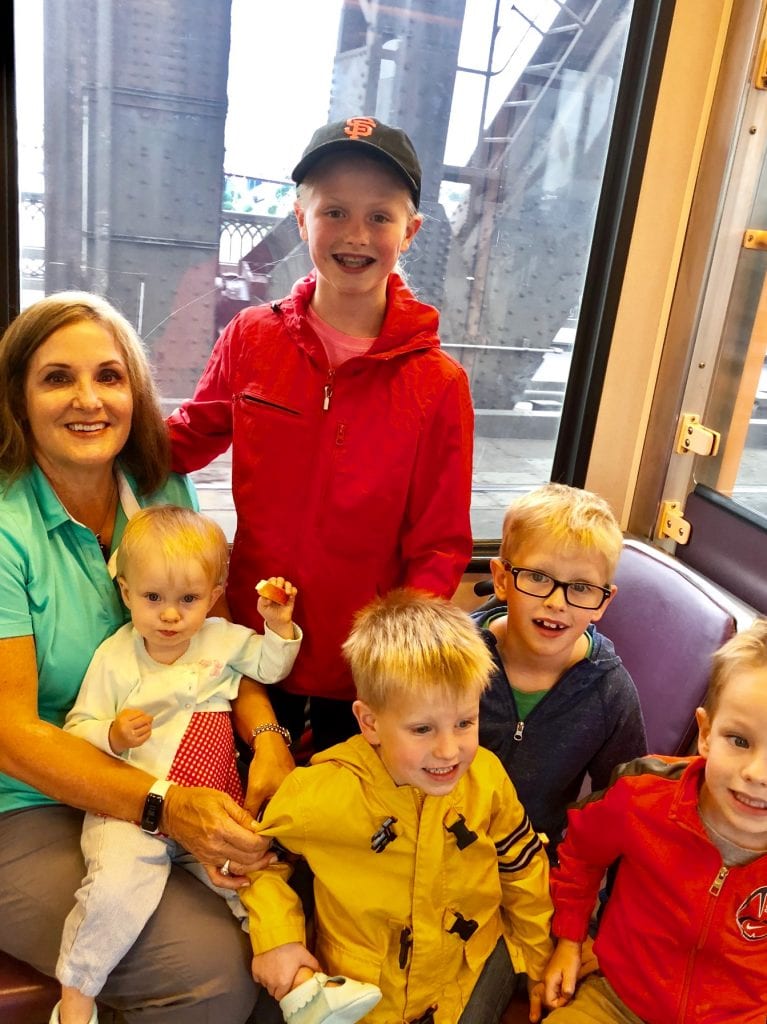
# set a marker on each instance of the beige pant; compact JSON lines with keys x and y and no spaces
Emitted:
{"x":594,"y":1002}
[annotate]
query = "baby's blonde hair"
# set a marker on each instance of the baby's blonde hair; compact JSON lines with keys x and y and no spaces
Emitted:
{"x":562,"y":518}
{"x":744,"y":651}
{"x":176,"y":535}
{"x":410,"y":643}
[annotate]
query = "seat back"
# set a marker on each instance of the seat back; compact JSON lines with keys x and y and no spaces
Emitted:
{"x":666,"y":622}
{"x":728,"y":543}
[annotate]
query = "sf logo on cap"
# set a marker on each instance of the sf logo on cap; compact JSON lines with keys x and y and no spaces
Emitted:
{"x":359,"y":127}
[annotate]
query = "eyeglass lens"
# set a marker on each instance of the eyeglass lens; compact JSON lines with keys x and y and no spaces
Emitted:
{"x":538,"y":584}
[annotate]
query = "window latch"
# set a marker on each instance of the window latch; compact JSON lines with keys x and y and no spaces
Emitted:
{"x":671,"y":523}
{"x":694,"y":437}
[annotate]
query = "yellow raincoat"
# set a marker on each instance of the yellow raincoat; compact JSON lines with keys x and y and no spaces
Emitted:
{"x":415,"y":904}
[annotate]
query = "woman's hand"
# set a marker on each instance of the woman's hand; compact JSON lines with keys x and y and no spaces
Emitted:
{"x":211,"y":826}
{"x":272,"y":761}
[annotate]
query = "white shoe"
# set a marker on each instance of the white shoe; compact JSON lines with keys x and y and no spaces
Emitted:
{"x":316,"y":1002}
{"x":55,"y":1019}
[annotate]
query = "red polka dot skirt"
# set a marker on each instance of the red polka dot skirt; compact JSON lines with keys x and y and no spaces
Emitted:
{"x":206,"y":755}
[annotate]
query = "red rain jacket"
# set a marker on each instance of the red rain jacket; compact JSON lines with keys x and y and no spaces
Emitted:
{"x":348,"y":482}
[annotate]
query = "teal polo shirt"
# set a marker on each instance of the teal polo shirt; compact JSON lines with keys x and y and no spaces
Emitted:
{"x":55,"y":586}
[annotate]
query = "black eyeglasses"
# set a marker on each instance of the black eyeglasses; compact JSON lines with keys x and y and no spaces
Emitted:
{"x":539,"y":584}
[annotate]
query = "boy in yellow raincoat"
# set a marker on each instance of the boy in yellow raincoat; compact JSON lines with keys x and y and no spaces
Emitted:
{"x":429,"y":881}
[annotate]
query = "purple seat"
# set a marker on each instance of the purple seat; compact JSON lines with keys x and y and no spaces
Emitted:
{"x":665,"y":622}
{"x":728,"y":543}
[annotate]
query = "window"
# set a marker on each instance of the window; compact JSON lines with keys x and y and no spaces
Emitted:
{"x":727,"y":378}
{"x":156,"y":143}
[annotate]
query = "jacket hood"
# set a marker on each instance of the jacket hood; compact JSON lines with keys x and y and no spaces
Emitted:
{"x":687,"y":797}
{"x":358,"y":757}
{"x":603,"y":655}
{"x":409,"y":325}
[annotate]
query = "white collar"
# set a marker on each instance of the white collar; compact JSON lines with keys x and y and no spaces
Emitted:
{"x":130,"y":507}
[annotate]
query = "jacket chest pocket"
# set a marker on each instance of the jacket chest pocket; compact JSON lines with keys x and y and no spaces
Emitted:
{"x":253,"y":404}
{"x":264,"y":427}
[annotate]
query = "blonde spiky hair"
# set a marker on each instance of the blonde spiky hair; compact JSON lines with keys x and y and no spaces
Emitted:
{"x":410,"y":642}
{"x":746,"y":650}
{"x":563,"y":518}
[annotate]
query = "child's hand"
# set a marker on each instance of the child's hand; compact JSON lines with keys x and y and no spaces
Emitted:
{"x":561,"y":973}
{"x":535,"y":991}
{"x":131,"y":728}
{"x":279,"y":617}
{"x":276,"y":969}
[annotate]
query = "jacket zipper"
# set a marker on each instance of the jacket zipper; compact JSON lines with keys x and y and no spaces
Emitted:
{"x":716,"y":885}
{"x":520,"y":728}
{"x":714,"y":889}
{"x":328,"y":390}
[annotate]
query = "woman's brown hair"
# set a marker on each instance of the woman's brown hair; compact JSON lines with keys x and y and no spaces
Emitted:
{"x":146,"y":454}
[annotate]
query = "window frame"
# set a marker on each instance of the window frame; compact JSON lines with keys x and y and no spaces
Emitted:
{"x":10,"y":277}
{"x":649,"y":29}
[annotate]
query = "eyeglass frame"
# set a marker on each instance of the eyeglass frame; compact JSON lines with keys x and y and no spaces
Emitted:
{"x":515,"y":570}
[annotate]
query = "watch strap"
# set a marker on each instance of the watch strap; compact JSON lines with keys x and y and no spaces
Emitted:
{"x":152,"y":812}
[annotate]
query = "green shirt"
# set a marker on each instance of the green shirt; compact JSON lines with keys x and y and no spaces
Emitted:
{"x":527,"y":700}
{"x":55,"y":586}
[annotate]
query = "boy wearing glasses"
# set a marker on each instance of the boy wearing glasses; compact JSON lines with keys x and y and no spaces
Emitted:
{"x":560,"y":703}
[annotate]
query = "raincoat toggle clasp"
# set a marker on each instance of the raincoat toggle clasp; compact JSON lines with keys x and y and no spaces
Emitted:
{"x":385,"y":835}
{"x":463,"y":927}
{"x":463,"y":834}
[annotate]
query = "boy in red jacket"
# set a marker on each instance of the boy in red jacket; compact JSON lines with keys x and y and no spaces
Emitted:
{"x":683,"y":937}
{"x":351,"y":430}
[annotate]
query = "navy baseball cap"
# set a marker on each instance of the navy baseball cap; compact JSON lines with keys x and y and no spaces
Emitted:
{"x":366,"y":135}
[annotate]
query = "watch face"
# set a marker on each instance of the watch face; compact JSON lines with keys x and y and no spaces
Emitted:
{"x":150,"y":819}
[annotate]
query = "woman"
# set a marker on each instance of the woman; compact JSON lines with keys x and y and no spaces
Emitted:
{"x":82,"y":445}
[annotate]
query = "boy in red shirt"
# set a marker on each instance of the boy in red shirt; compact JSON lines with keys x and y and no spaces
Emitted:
{"x":351,"y":430}
{"x":683,"y":936}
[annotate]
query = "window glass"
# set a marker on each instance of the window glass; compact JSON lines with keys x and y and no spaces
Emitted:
{"x":738,"y":404}
{"x":156,"y":143}
{"x":732,"y":333}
